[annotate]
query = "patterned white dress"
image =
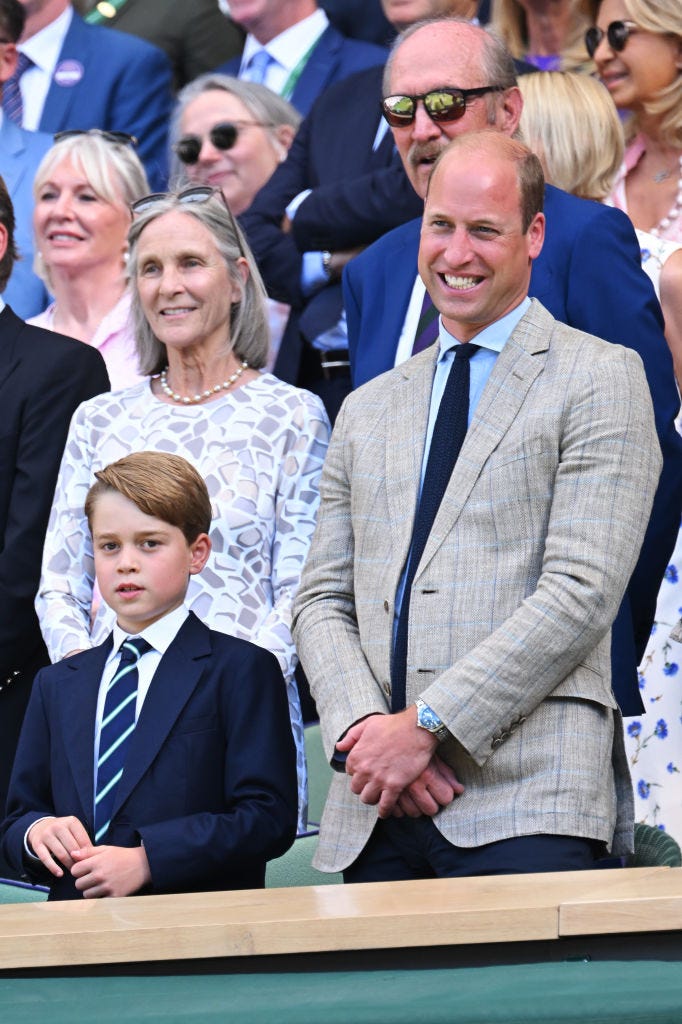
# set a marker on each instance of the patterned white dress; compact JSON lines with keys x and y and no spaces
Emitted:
{"x":260,"y":450}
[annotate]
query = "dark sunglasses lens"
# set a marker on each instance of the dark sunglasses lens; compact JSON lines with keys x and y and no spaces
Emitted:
{"x":618,"y":34}
{"x":223,"y":136}
{"x":188,"y":149}
{"x":445,"y":106}
{"x":593,"y":37}
{"x":399,"y":110}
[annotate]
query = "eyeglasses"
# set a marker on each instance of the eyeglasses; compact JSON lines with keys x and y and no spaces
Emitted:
{"x":223,"y":136}
{"x":617,"y":33}
{"x":194,"y":194}
{"x":119,"y":138}
{"x":442,"y":105}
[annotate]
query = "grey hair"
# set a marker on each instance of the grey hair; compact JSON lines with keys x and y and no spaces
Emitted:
{"x":497,"y":63}
{"x":265,"y":106}
{"x":248,"y":335}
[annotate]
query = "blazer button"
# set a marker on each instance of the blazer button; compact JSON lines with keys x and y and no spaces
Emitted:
{"x":386,"y":687}
{"x":386,"y":606}
{"x":497,"y":742}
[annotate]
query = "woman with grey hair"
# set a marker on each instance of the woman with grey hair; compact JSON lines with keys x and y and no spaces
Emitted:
{"x":83,"y":190}
{"x":198,"y":305}
{"x":231,"y":135}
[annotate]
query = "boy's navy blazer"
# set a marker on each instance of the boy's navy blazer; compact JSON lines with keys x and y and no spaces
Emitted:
{"x":209,"y":785}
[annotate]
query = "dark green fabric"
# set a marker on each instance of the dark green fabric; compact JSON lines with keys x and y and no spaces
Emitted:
{"x":646,"y":992}
{"x":654,"y":848}
{"x":19,"y":894}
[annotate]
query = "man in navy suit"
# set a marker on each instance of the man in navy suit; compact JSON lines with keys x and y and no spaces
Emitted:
{"x":20,"y":154}
{"x":588,"y":275}
{"x":43,"y":378}
{"x":341,"y":187}
{"x":177,"y":771}
{"x":84,"y":76}
{"x":292,"y":48}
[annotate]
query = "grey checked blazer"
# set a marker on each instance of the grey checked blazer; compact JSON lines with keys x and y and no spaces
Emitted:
{"x":512,"y":603}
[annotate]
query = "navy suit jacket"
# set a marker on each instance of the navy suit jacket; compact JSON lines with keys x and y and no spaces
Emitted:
{"x":209,"y":785}
{"x":358,"y":194}
{"x":125,"y":86}
{"x":43,"y":378}
{"x":334,"y":58}
{"x":20,"y":153}
{"x":589,"y":276}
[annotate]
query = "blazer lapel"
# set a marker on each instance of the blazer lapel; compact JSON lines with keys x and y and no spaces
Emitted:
{"x":10,"y":350}
{"x":60,"y":98}
{"x":517,"y":366}
{"x":78,"y":707}
{"x":408,"y":414}
{"x":174,"y":682}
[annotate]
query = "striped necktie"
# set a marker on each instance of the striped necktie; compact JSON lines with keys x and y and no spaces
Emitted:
{"x":448,"y":436}
{"x":12,"y":103}
{"x":118,"y":724}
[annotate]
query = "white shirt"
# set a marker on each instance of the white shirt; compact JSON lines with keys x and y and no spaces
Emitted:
{"x":43,"y":48}
{"x":287,"y":49}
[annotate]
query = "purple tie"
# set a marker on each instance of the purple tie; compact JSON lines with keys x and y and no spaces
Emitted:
{"x":12,"y":103}
{"x":427,"y":327}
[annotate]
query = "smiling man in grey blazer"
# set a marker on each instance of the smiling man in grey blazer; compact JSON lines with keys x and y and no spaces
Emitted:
{"x":457,"y":636}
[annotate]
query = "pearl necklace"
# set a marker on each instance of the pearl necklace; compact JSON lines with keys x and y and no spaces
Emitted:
{"x":674,"y":212}
{"x":194,"y":399}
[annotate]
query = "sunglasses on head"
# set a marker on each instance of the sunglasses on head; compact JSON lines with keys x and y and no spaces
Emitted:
{"x":222,"y":136}
{"x":194,"y":194}
{"x":119,"y":138}
{"x":617,"y":33}
{"x":442,"y":105}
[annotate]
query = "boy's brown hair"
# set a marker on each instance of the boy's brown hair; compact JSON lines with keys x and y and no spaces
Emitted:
{"x":164,"y":486}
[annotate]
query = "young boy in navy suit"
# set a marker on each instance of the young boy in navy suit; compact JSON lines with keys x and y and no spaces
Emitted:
{"x":165,"y":765}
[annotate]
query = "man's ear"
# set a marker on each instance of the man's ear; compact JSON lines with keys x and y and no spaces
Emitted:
{"x":510,"y":105}
{"x":200,"y":549}
{"x":9,"y":57}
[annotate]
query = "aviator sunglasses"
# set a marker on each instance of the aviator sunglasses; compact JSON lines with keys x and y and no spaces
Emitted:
{"x":222,"y":136}
{"x":442,"y":105}
{"x":617,"y":33}
{"x":193,"y":194}
{"x":118,"y":138}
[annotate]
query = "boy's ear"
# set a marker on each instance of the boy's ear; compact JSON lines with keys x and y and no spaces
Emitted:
{"x":200,"y":549}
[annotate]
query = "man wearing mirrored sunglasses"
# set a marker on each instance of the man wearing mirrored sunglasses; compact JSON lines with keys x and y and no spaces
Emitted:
{"x":341,"y":187}
{"x":588,"y":275}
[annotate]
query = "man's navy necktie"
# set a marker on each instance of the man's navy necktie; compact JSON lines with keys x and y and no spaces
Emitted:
{"x":448,"y":436}
{"x":118,"y":724}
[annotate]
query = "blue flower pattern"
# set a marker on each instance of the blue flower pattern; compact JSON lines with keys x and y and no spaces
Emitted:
{"x":654,"y":741}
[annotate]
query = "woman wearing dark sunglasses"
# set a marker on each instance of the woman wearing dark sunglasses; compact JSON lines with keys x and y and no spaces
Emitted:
{"x":637,"y":47}
{"x":230,"y":135}
{"x":201,"y":333}
{"x":83,"y":190}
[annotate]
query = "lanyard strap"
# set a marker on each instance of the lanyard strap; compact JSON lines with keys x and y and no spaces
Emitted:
{"x":292,"y":80}
{"x":105,"y":10}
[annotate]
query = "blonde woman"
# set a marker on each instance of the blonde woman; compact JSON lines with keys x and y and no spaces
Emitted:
{"x":637,"y":48}
{"x":83,"y":190}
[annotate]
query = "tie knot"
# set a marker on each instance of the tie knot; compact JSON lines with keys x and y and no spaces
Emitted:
{"x":133,"y":648}
{"x":467,"y":351}
{"x":23,"y":64}
{"x":258,"y":66}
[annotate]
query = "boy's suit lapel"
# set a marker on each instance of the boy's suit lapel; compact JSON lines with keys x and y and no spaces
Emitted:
{"x":78,"y":706}
{"x":174,"y":682}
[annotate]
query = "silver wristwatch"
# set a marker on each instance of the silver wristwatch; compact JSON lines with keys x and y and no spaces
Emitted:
{"x":429,"y":720}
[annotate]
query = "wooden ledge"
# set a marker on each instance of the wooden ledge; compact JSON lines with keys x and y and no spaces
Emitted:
{"x":391,"y":915}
